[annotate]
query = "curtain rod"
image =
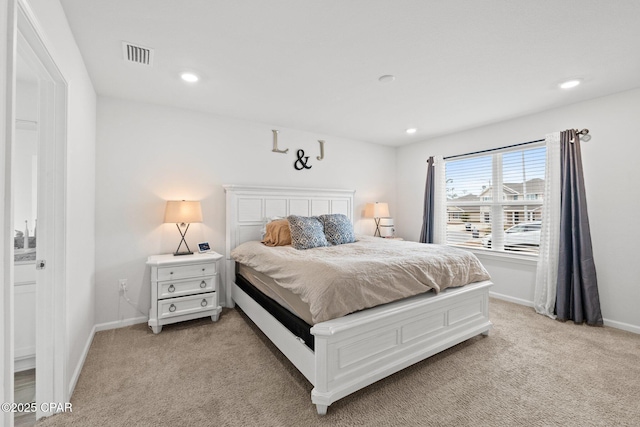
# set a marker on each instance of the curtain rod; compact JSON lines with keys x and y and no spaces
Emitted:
{"x":581,"y":132}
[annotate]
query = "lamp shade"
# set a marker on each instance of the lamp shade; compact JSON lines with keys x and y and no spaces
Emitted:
{"x":181,"y":211}
{"x":376,"y":210}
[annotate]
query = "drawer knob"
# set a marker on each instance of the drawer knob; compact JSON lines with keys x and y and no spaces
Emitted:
{"x":172,"y":308}
{"x":204,"y":303}
{"x":171,"y":272}
{"x":203,"y":284}
{"x":203,"y":269}
{"x":172,"y":288}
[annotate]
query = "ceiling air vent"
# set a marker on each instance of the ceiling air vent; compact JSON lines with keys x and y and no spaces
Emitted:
{"x":137,"y":54}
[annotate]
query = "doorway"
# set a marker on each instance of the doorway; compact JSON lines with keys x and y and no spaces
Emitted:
{"x":25,"y":214}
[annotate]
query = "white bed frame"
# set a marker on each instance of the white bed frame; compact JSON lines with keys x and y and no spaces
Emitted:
{"x":359,"y":349}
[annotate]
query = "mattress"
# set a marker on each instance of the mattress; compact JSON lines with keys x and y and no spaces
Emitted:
{"x":282,"y":296}
{"x":293,"y":323}
{"x":342,"y":279}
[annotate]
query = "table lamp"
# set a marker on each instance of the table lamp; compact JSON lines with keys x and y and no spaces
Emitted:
{"x":376,"y":211}
{"x":183,"y":213}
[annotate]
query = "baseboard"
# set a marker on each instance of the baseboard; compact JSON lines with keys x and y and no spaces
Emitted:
{"x":24,"y":363}
{"x":120,"y":323}
{"x":511,"y":299}
{"x":621,"y":325}
{"x":76,"y":372}
{"x":607,"y":322}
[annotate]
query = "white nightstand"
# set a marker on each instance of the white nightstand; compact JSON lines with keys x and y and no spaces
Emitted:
{"x":183,"y":288}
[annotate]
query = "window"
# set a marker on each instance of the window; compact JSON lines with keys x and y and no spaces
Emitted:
{"x":494,"y":201}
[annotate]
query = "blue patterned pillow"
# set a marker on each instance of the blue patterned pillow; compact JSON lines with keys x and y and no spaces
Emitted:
{"x":338,"y":229}
{"x":306,"y":232}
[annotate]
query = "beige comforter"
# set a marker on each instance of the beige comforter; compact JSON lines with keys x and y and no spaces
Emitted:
{"x":339,"y":280}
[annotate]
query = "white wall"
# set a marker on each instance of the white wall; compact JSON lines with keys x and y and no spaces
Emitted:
{"x":147,"y":154}
{"x":24,"y":156}
{"x":25,"y":179}
{"x":26,"y":98}
{"x":81,"y":124}
{"x":611,"y":175}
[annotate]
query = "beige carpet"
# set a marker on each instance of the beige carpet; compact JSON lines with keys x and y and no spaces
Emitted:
{"x":531,"y":371}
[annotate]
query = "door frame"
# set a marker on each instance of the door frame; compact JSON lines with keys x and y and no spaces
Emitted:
{"x":7,"y":130}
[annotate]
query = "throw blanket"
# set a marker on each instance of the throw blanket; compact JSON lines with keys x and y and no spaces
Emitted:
{"x":338,"y":280}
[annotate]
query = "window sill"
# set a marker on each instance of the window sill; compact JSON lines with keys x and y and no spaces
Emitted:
{"x":501,"y":256}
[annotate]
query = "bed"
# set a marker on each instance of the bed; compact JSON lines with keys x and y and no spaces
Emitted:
{"x":352,"y":351}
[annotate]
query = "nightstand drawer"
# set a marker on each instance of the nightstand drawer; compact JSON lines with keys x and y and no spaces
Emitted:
{"x":179,"y":288}
{"x":186,"y":305}
{"x":186,"y":271}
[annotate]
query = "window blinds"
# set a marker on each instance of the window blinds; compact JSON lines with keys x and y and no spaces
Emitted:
{"x":494,"y":200}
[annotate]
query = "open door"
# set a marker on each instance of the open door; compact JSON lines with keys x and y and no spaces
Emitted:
{"x":24,"y":39}
{"x":50,"y":262}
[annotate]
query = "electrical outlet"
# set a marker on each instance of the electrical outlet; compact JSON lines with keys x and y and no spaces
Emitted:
{"x":122,"y":284}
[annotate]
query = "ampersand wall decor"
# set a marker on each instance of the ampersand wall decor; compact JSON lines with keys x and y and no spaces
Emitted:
{"x":302,"y":161}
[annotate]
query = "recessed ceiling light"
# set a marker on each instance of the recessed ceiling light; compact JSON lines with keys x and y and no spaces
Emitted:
{"x":387,"y":78}
{"x":189,"y":77}
{"x":411,"y":131}
{"x":570,"y":84}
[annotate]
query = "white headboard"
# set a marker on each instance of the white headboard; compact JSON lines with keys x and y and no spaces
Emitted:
{"x":248,"y":207}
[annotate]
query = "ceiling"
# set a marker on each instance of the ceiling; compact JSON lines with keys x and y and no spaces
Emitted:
{"x":314,"y":65}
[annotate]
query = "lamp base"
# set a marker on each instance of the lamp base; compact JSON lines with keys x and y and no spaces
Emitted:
{"x":182,"y":253}
{"x":188,"y":252}
{"x":377,"y":233}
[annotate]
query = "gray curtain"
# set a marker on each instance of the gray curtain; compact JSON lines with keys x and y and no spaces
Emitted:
{"x":577,"y":296}
{"x":426,"y":235}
